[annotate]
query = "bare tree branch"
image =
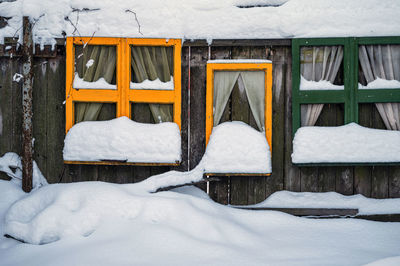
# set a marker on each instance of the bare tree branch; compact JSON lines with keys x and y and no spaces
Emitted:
{"x":137,"y":21}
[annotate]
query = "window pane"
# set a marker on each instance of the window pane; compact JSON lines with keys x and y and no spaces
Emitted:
{"x":152,"y":67}
{"x":152,"y":113}
{"x":321,"y":68}
{"x":89,"y":111}
{"x":95,"y":67}
{"x":239,"y":96}
{"x":379,"y":66}
{"x":322,"y":114}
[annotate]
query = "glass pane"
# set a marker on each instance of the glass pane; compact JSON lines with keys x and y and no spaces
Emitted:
{"x":90,"y":111}
{"x":239,"y":96}
{"x":95,"y":67}
{"x":321,"y":68}
{"x":152,"y":67}
{"x":152,"y":113}
{"x":322,"y":114}
{"x":379,"y":66}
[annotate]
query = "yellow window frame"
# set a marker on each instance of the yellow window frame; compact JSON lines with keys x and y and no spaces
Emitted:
{"x":266,"y":67}
{"x":123,"y":96}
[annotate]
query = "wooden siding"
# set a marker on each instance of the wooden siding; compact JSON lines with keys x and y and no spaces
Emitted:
{"x":49,"y":128}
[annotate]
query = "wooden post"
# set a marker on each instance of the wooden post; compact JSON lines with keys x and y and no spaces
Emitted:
{"x":27,"y":148}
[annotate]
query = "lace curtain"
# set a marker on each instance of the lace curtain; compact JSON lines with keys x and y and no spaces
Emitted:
{"x":318,"y":63}
{"x":382,"y":61}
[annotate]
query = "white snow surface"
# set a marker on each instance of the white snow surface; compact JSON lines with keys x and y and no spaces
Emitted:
{"x":95,"y":223}
{"x":350,"y":143}
{"x":381,"y":84}
{"x":100,"y":84}
{"x":288,"y":199}
{"x":10,"y":163}
{"x":206,"y":19}
{"x":156,"y":84}
{"x":123,"y":139}
{"x":318,"y":85}
{"x":235,"y":147}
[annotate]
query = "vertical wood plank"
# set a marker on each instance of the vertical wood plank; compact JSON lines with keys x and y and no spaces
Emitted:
{"x":16,"y":89}
{"x":380,"y":182}
{"x":309,"y":179}
{"x":344,"y":180}
{"x":6,"y":105}
{"x":40,"y":89}
{"x":292,"y":173}
{"x":394,"y":182}
{"x":55,"y":117}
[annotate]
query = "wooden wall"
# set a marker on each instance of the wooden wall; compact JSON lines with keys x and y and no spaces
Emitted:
{"x":49,"y":127}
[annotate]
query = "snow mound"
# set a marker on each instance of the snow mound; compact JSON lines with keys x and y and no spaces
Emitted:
{"x":307,"y":85}
{"x":390,"y":261}
{"x":60,"y":211}
{"x":350,"y":143}
{"x":235,"y":147}
{"x":379,"y":83}
{"x":288,"y":199}
{"x":124,"y":140}
{"x":10,"y":163}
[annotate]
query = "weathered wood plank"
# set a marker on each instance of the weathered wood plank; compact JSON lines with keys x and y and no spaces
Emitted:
{"x":307,"y":211}
{"x":55,"y":117}
{"x":6,"y":107}
{"x":394,"y":182}
{"x":380,"y":182}
{"x":16,"y":89}
{"x":239,"y":42}
{"x":344,"y":180}
{"x":40,"y":70}
{"x":292,"y":173}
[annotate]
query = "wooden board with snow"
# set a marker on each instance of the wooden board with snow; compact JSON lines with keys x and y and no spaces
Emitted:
{"x":350,"y":143}
{"x":122,"y":139}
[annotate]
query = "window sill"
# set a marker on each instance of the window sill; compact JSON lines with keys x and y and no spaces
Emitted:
{"x":111,"y":162}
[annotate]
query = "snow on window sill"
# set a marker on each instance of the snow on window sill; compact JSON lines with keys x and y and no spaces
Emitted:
{"x":350,"y":144}
{"x":153,"y":85}
{"x":308,"y":85}
{"x":100,"y":84}
{"x":381,"y":84}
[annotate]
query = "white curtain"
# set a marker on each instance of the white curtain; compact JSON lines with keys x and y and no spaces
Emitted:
{"x":318,"y":63}
{"x":253,"y":82}
{"x":382,"y":61}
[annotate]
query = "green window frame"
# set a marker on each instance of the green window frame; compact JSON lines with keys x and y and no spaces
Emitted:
{"x":351,"y":96}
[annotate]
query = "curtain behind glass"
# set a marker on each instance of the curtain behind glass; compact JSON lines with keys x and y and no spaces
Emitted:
{"x":382,"y":61}
{"x":151,"y":63}
{"x":104,"y":61}
{"x":318,"y":63}
{"x":251,"y":81}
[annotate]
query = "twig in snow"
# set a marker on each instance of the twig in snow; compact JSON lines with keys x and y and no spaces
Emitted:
{"x":137,"y":21}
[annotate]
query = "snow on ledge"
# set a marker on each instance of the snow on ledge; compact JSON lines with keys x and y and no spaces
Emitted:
{"x":350,"y":143}
{"x":100,"y":84}
{"x":381,"y":84}
{"x":308,"y":85}
{"x":156,"y":84}
{"x":288,"y":199}
{"x":238,"y":61}
{"x":124,"y":140}
{"x":235,"y":147}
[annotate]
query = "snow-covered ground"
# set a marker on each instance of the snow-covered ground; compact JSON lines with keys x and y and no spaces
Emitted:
{"x":95,"y":223}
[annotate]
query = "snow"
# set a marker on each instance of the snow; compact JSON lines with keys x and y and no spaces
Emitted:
{"x":95,"y":223}
{"x":207,"y":19}
{"x":100,"y":84}
{"x":318,"y":85}
{"x":238,"y":61}
{"x":17,"y":77}
{"x":156,"y":84}
{"x":350,"y":143}
{"x":89,"y":63}
{"x":10,"y":163}
{"x":288,"y":199}
{"x":124,"y":140}
{"x":235,"y":147}
{"x":379,"y":83}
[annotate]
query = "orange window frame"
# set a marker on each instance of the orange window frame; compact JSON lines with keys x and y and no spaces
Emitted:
{"x":266,"y":67}
{"x":123,"y":96}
